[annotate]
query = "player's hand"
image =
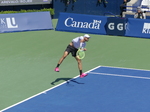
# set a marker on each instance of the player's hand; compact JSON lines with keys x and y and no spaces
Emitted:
{"x":84,"y":49}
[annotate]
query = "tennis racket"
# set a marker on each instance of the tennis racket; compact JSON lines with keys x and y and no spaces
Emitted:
{"x":80,"y":54}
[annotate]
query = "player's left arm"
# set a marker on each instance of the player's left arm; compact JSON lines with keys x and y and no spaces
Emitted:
{"x":82,"y":47}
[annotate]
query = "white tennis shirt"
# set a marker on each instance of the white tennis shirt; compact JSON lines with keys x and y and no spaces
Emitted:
{"x":76,"y":42}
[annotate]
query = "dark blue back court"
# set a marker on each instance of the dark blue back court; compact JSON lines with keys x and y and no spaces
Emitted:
{"x":105,"y":89}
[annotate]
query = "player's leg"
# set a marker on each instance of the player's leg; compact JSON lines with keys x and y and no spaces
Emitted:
{"x":63,"y":57}
{"x":61,"y":60}
{"x":80,"y":68}
{"x":73,"y":52}
{"x":66,"y":53}
{"x":79,"y":65}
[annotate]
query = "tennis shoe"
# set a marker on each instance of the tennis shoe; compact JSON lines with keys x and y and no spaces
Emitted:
{"x":83,"y":75}
{"x":56,"y":69}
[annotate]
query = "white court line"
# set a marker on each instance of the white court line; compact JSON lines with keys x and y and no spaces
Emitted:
{"x":126,"y":68}
{"x":120,"y":75}
{"x":43,"y":92}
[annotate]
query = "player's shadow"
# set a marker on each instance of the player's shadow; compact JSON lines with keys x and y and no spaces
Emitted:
{"x":68,"y":80}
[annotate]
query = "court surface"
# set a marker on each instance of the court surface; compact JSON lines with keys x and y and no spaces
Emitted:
{"x":105,"y":89}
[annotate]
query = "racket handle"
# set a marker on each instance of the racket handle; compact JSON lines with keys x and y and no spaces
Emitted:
{"x":81,"y":48}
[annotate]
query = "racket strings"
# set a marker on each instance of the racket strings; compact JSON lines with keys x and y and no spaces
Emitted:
{"x":80,"y":54}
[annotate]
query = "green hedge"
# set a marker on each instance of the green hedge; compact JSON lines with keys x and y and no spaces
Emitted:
{"x":23,"y":11}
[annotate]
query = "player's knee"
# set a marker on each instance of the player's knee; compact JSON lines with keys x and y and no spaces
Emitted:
{"x":64,"y":57}
{"x":79,"y":61}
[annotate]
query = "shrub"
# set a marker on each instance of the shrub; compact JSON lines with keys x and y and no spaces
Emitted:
{"x":24,"y":11}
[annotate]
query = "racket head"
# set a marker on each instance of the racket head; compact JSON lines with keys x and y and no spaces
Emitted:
{"x":80,"y":54}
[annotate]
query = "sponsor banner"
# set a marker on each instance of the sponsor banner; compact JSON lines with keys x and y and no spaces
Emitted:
{"x":25,"y":22}
{"x":23,"y":2}
{"x":116,"y":26}
{"x":138,"y":28}
{"x":145,"y":2}
{"x":81,"y":23}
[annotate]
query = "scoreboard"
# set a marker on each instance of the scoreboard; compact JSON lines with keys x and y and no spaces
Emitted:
{"x":23,"y":2}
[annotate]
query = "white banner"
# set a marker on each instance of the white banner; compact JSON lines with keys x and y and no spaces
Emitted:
{"x":145,"y":2}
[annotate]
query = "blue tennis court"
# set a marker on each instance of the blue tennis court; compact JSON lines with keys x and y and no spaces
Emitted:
{"x":105,"y":89}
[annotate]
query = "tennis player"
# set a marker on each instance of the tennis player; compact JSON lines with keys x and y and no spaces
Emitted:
{"x":78,"y":42}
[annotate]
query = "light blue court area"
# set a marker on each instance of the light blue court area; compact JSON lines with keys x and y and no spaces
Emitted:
{"x":105,"y":89}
